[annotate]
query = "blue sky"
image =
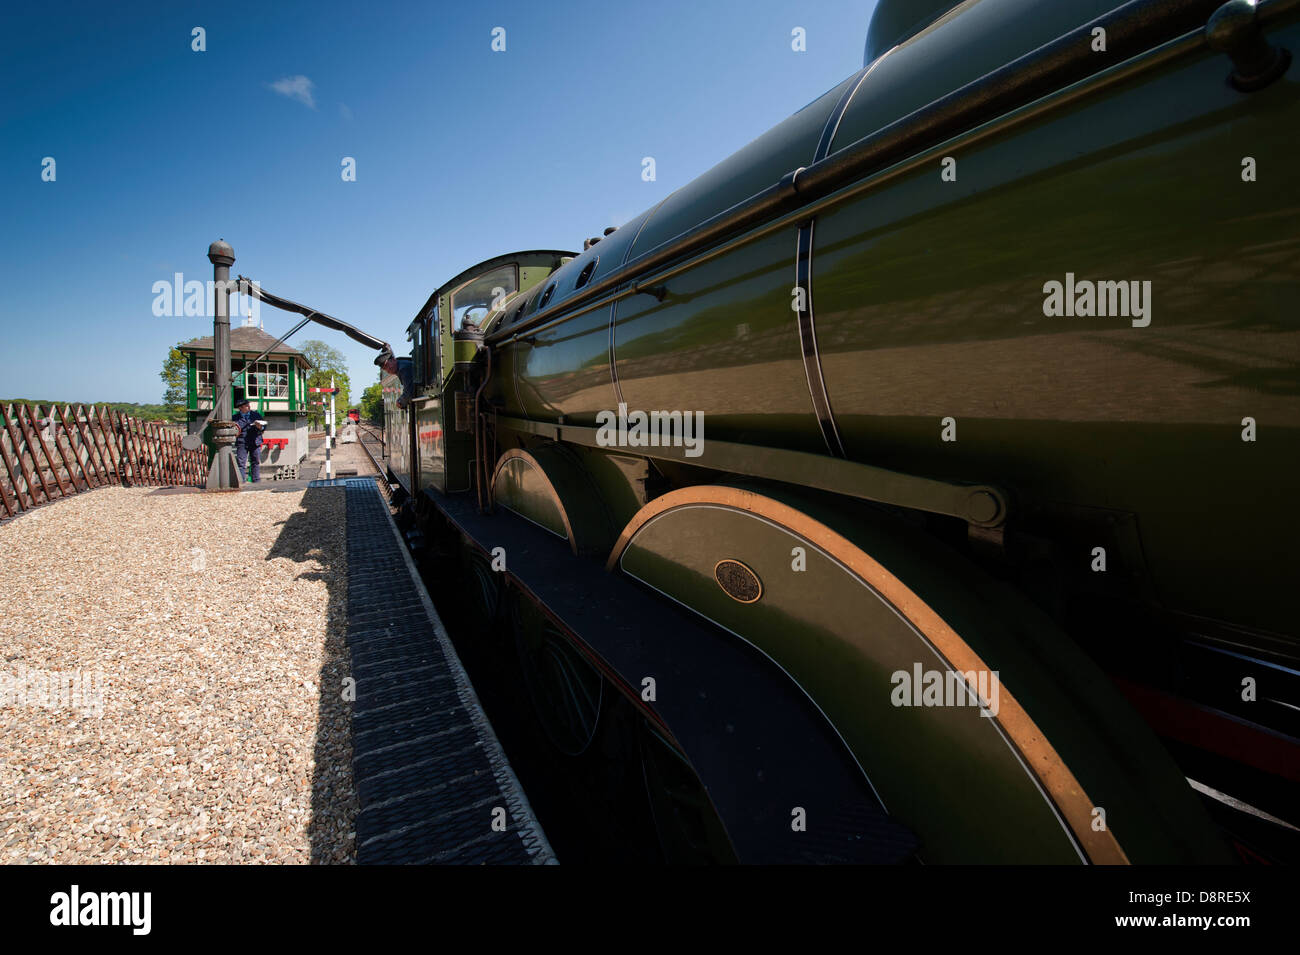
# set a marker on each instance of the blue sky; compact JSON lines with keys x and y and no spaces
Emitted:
{"x":461,"y":153}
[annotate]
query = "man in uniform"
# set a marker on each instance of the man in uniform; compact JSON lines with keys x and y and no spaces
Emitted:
{"x":401,"y":367}
{"x":250,"y":424}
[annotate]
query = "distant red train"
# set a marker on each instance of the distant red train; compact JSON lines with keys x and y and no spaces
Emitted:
{"x":354,"y":414}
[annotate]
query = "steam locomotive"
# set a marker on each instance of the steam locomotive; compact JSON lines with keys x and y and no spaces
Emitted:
{"x":922,"y":475}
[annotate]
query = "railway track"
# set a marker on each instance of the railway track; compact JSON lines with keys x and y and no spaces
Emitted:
{"x":372,"y":442}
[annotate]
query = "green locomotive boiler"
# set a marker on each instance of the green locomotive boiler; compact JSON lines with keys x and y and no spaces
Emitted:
{"x":923,"y":474}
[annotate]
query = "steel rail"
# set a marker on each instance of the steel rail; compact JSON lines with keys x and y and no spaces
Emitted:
{"x":362,"y":433}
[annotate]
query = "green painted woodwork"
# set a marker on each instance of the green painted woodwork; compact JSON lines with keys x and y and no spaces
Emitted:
{"x":297,"y":383}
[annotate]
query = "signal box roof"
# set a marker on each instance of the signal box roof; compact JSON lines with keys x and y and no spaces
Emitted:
{"x":247,"y":338}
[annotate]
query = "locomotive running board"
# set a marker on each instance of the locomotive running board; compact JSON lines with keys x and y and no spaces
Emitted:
{"x":759,"y":746}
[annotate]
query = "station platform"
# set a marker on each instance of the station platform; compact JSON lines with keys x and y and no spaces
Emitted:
{"x":433,"y":783}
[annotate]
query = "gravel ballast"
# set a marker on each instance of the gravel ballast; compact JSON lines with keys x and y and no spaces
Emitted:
{"x":211,"y":627}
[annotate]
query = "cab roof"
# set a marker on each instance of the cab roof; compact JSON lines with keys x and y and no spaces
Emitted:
{"x":525,"y":258}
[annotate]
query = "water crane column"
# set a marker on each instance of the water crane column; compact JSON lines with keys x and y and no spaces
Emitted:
{"x":223,"y":472}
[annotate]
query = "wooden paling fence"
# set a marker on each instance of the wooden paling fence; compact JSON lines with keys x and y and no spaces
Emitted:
{"x":53,"y":452}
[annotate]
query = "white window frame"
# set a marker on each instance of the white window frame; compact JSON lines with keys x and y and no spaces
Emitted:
{"x":204,"y":369}
{"x":257,"y":374}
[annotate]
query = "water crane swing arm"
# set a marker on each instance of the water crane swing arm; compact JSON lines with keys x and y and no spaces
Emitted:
{"x":246,"y":286}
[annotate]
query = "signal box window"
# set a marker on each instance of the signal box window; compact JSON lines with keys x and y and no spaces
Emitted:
{"x":204,"y":370}
{"x":268,"y":379}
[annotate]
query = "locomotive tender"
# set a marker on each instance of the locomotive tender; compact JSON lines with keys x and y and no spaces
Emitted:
{"x":987,"y":547}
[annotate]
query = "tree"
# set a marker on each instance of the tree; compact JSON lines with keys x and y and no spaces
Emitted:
{"x":326,"y":362}
{"x":372,"y":403}
{"x":323,"y":357}
{"x":174,"y":375}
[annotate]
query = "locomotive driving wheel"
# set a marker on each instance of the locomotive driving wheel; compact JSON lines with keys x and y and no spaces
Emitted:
{"x":687,"y":825}
{"x":565,"y":689}
{"x":482,"y":587}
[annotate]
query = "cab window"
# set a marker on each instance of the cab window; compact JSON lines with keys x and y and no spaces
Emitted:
{"x":430,"y":353}
{"x":417,"y":349}
{"x":473,"y":302}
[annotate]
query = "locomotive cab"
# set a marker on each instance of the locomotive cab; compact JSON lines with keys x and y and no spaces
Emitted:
{"x":447,"y":340}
